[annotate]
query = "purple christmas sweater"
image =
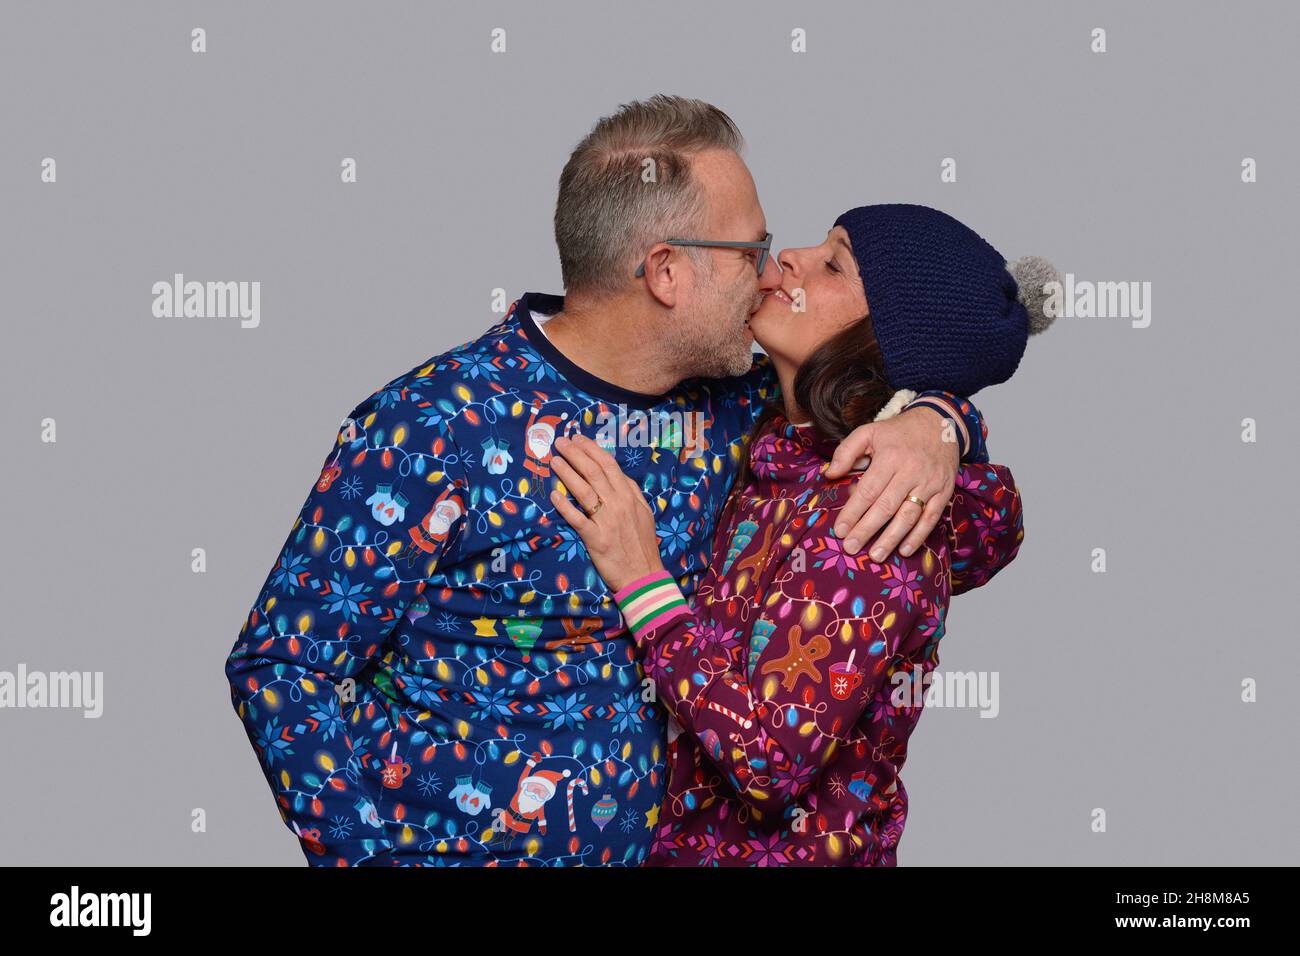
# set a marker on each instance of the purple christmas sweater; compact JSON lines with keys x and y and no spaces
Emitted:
{"x":795,"y":679}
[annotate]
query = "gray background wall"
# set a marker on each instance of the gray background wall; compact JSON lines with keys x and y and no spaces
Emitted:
{"x":1118,"y":690}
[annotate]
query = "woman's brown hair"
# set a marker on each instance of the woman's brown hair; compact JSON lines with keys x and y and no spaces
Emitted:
{"x":841,"y":385}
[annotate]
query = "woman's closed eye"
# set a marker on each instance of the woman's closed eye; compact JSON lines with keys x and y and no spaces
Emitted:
{"x":830,"y":264}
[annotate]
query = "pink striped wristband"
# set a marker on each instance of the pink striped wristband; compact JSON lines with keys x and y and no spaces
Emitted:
{"x":650,"y":601}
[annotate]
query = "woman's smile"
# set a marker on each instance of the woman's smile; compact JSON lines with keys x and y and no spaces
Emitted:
{"x":780,"y":295}
{"x":775,"y":310}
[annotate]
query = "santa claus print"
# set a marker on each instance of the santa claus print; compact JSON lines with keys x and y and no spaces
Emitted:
{"x":528,"y":805}
{"x":539,"y":436}
{"x":433,"y":530}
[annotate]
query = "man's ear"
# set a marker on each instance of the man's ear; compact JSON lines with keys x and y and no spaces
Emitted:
{"x":662,"y":275}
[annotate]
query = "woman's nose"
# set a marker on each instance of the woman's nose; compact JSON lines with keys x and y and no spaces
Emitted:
{"x":785,"y":260}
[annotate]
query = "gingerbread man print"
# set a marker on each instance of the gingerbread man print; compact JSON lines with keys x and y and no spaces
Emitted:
{"x":801,"y":659}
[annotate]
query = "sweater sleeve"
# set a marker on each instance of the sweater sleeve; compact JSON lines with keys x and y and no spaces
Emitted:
{"x":985,"y":524}
{"x":968,"y":424}
{"x":825,"y":629}
{"x":372,"y":530}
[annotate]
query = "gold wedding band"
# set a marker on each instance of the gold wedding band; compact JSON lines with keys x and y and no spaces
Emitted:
{"x":599,"y":501}
{"x":919,"y":501}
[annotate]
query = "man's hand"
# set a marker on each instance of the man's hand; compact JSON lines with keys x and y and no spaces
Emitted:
{"x":915,"y":453}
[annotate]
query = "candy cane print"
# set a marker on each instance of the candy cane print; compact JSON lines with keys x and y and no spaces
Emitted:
{"x":744,"y":722}
{"x":575,"y":782}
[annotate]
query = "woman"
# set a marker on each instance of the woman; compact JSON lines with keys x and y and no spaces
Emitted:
{"x":796,"y":679}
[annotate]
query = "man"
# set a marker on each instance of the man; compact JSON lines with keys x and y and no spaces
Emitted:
{"x":433,"y":672}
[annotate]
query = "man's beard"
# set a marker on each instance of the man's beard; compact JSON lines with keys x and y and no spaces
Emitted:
{"x":711,"y":339}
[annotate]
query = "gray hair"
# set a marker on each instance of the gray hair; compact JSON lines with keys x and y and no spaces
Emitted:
{"x":608,"y":215}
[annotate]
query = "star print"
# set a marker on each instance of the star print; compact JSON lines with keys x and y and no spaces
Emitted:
{"x":485,"y":627}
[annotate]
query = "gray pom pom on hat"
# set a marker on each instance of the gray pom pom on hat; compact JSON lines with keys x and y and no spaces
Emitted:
{"x":1032,"y":274}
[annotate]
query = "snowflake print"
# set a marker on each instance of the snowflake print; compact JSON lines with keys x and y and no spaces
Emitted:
{"x":326,"y":713}
{"x":626,"y":712}
{"x":350,"y":487}
{"x":284,"y":577}
{"x":829,"y":555}
{"x":491,"y":706}
{"x":344,"y":597}
{"x":769,"y":850}
{"x":447,"y":623}
{"x":271,"y":743}
{"x":836,"y":785}
{"x":674,"y":535}
{"x":900,"y":583}
{"x":429,"y":784}
{"x":567,"y":712}
{"x":480,"y":366}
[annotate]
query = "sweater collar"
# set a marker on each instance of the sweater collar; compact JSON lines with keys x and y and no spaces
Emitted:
{"x":547,"y":304}
{"x":788,"y":454}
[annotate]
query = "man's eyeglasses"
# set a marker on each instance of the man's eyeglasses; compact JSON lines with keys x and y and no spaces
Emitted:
{"x":764,"y":247}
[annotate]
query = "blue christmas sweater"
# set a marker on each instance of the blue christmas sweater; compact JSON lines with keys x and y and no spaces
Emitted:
{"x":433,"y":672}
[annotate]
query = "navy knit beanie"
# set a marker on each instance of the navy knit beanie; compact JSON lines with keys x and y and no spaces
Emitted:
{"x":948,"y":310}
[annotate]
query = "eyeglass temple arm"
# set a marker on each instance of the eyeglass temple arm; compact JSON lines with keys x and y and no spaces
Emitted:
{"x":640,"y":270}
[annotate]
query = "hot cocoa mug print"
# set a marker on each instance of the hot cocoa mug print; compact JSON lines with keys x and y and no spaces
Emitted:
{"x":844,"y":679}
{"x":311,"y":838}
{"x":395,"y":771}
